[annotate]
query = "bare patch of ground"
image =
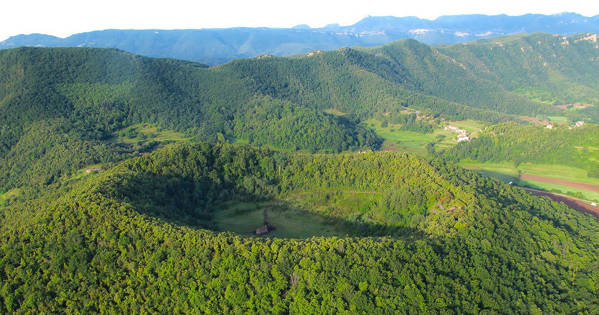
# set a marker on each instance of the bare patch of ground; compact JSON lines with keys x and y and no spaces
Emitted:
{"x":577,"y":106}
{"x":573,"y":203}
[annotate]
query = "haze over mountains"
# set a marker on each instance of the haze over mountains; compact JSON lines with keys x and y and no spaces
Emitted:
{"x":217,"y":46}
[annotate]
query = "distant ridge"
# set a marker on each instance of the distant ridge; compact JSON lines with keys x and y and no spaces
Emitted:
{"x":217,"y":46}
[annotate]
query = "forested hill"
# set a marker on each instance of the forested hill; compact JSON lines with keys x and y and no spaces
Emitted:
{"x":217,"y":46}
{"x":99,"y":214}
{"x":575,"y":147}
{"x":144,"y":237}
{"x":81,"y":97}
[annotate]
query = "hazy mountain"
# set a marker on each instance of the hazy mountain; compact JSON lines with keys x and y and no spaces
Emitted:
{"x":216,"y":46}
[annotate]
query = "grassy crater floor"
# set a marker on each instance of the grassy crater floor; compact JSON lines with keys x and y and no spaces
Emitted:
{"x":290,"y":222}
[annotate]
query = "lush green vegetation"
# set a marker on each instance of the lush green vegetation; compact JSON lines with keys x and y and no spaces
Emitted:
{"x":563,"y":189}
{"x":527,"y":65}
{"x":99,"y":212}
{"x":506,"y":151}
{"x":396,"y":136}
{"x":130,"y":239}
{"x":575,"y":147}
{"x":102,"y":91}
{"x":283,"y":125}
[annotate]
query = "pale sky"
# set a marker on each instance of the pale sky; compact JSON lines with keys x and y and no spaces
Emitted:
{"x":65,"y":17}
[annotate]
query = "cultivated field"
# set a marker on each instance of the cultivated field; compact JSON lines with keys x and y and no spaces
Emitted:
{"x":573,"y":203}
{"x":416,"y":142}
{"x":552,"y":178}
{"x":562,"y":182}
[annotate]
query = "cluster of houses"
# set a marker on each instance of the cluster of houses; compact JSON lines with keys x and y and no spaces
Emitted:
{"x":579,"y":123}
{"x":462,"y":135}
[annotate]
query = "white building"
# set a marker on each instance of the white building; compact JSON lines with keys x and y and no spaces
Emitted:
{"x":463,"y":137}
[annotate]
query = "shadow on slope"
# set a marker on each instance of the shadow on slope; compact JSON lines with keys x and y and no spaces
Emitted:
{"x":208,"y":204}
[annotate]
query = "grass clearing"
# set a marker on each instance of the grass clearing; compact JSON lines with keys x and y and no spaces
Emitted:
{"x":145,"y":132}
{"x":416,"y":142}
{"x":473,"y":127}
{"x":334,"y":111}
{"x":331,"y":213}
{"x":504,"y":171}
{"x":336,"y":203}
{"x":6,"y":197}
{"x":86,"y":171}
{"x":290,"y":222}
{"x":559,"y":172}
{"x":558,"y":119}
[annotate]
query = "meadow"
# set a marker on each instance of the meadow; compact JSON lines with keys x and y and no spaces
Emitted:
{"x":416,"y":142}
{"x":289,"y":221}
{"x":146,"y":132}
{"x":508,"y":172}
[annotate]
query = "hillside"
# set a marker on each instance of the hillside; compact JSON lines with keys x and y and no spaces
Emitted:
{"x":561,"y":161}
{"x":101,"y":212}
{"x":83,"y":98}
{"x":218,"y":46}
{"x":550,"y":69}
{"x":575,"y":147}
{"x":140,"y":237}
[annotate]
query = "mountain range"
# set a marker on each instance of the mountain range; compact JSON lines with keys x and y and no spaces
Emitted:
{"x":217,"y":46}
{"x":313,"y":102}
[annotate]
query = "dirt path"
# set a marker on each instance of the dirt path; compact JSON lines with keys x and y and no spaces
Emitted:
{"x":573,"y":203}
{"x":589,"y":187}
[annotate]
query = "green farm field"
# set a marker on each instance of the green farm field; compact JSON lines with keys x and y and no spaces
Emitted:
{"x":571,"y":191}
{"x":508,"y":172}
{"x":416,"y":142}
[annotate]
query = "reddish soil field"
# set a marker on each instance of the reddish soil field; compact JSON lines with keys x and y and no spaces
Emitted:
{"x":570,"y":202}
{"x":589,"y":187}
{"x":565,"y":106}
{"x":534,"y":120}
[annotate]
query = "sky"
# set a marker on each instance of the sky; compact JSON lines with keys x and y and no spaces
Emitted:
{"x":66,"y":17}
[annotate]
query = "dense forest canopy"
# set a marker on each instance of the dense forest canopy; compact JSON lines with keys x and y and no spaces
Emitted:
{"x":133,"y":239}
{"x":94,"y":93}
{"x":98,"y":213}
